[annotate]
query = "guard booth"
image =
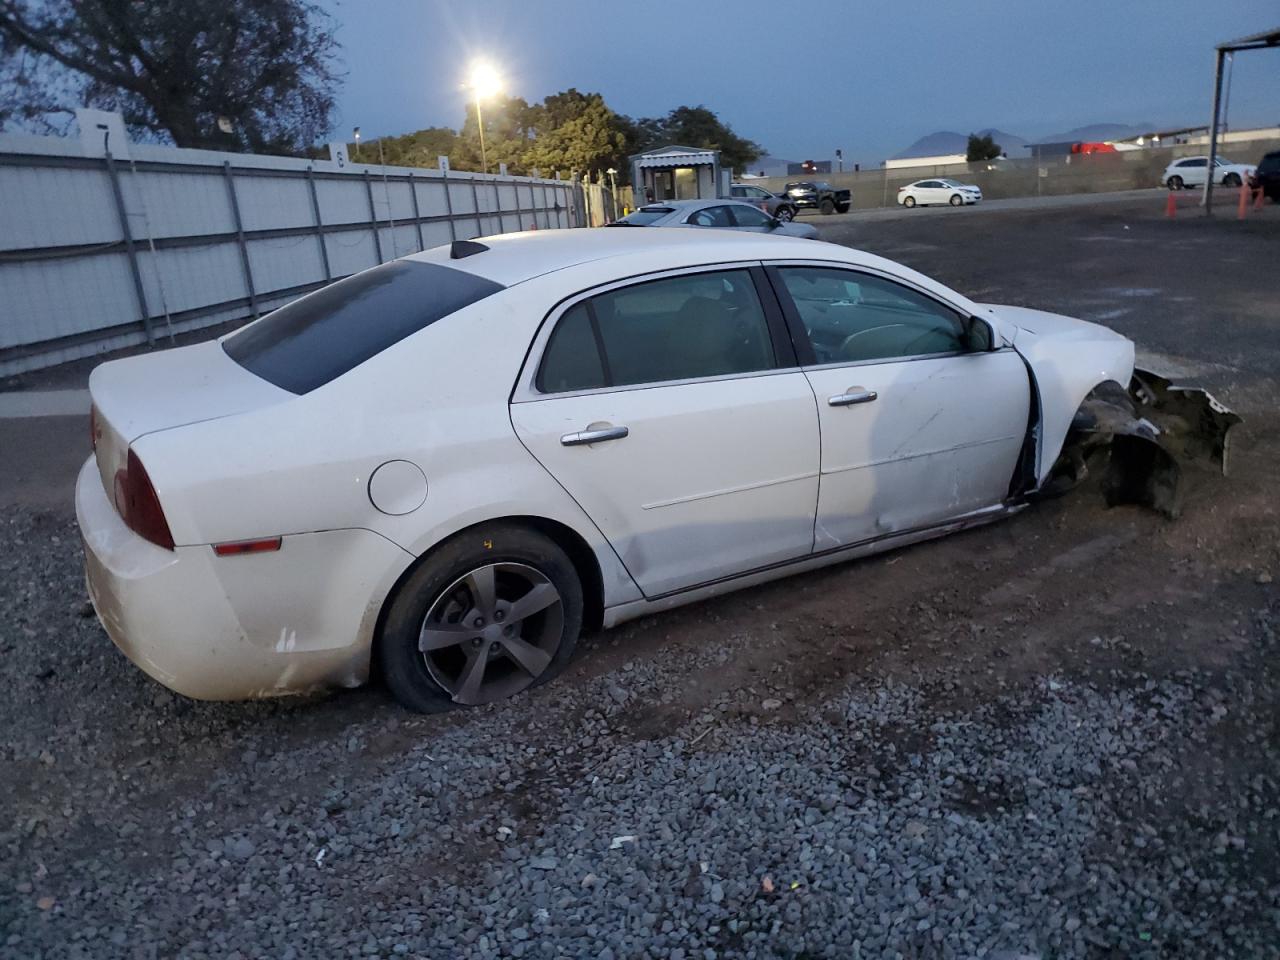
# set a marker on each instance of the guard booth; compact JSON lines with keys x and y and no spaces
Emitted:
{"x":677,"y":173}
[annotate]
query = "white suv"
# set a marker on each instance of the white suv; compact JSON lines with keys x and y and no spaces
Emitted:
{"x":1190,"y":172}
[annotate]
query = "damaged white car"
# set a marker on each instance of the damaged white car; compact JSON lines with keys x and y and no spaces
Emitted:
{"x":450,"y":465}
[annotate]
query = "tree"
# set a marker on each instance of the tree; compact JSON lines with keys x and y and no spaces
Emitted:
{"x":696,"y":127}
{"x":577,"y":131}
{"x":174,"y":68}
{"x":982,"y":147}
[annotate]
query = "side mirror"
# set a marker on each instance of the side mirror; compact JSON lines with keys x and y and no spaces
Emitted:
{"x":978,"y":335}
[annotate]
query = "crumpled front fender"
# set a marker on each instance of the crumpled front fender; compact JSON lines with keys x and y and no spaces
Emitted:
{"x":1149,"y":434}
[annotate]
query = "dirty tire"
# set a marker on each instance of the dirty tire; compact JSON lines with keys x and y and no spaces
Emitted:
{"x":827,"y":208}
{"x":507,"y":563}
{"x":1175,"y":183}
{"x":909,"y":202}
{"x":785,"y":214}
{"x":956,"y":200}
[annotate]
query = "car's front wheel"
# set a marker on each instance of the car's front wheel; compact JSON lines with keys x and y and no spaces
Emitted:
{"x":1175,"y":183}
{"x":1231,"y":180}
{"x":957,"y":200}
{"x":486,"y":615}
{"x":909,"y":202}
{"x":827,"y":207}
{"x":785,"y":214}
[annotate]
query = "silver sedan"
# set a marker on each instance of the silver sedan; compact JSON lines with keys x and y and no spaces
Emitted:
{"x":724,"y":214}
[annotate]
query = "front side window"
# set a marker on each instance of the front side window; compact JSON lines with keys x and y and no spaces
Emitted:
{"x":852,"y":317}
{"x":317,"y":338}
{"x":738,"y":191}
{"x":751,"y":217}
{"x":711,"y":217}
{"x":678,"y":328}
{"x":647,"y":215}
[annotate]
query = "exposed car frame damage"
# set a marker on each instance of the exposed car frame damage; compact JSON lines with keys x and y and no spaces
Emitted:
{"x":1146,"y":435}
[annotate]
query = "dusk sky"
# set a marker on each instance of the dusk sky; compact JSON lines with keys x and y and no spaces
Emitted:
{"x":867,"y":77}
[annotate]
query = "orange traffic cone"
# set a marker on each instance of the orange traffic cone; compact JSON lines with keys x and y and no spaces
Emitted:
{"x":1171,"y":208}
{"x":1257,"y":198}
{"x":1244,"y":202}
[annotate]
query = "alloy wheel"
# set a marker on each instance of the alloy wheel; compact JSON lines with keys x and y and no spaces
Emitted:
{"x":492,"y":632}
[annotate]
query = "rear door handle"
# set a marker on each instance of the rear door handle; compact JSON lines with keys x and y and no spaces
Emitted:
{"x":593,"y":436}
{"x":851,"y":396}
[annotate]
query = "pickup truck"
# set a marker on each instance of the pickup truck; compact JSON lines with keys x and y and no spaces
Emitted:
{"x":818,"y":195}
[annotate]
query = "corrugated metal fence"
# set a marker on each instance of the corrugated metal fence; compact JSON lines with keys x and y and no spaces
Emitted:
{"x":99,"y":252}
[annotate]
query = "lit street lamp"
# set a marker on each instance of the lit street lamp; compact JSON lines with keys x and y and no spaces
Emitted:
{"x":483,"y":82}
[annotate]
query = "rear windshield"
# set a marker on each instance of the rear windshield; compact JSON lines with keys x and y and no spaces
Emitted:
{"x":318,"y":338}
{"x":1270,"y":163}
{"x":646,"y":215}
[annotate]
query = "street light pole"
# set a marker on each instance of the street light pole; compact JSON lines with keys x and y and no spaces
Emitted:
{"x":484,"y":160}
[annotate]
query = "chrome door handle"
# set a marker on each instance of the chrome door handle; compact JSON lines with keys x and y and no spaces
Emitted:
{"x":855,"y":395}
{"x":593,"y":436}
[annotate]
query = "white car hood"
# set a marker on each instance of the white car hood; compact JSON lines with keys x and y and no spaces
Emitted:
{"x":1067,"y":358}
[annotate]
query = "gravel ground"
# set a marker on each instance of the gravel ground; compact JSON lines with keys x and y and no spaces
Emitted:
{"x":635,"y":809}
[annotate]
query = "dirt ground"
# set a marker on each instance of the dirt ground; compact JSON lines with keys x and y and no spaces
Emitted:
{"x":1068,"y":589}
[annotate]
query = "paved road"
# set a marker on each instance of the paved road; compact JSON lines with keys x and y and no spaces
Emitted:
{"x":1092,"y":200}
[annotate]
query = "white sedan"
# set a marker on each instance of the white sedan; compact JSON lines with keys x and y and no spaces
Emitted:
{"x":938,"y":190}
{"x":452,"y":464}
{"x":1194,"y":171}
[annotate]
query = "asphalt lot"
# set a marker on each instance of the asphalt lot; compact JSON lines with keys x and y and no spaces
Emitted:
{"x":1052,"y":737}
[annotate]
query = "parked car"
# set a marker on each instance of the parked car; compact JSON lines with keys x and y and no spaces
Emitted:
{"x":818,"y":195}
{"x":938,"y":190}
{"x":725,"y":214}
{"x":1192,"y":172}
{"x":1267,"y":176}
{"x":770,"y":203}
{"x":450,"y":465}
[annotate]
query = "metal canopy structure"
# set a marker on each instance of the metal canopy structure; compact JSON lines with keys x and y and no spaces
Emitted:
{"x":1258,"y":41}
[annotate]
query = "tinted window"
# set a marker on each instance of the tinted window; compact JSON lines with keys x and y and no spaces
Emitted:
{"x":646,"y":215}
{"x":701,"y":325}
{"x":572,"y":360}
{"x":1201,"y":162}
{"x":711,"y":217}
{"x":1270,"y":163}
{"x":929,"y":184}
{"x":855,"y":316}
{"x":318,"y":338}
{"x":751,"y":217}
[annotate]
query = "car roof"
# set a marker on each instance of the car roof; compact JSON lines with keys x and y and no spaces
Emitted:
{"x":513,"y":258}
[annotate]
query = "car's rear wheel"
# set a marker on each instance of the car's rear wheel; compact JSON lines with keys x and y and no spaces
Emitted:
{"x":1231,"y":180}
{"x":842,"y":208}
{"x":488,"y":614}
{"x":827,"y":207}
{"x":785,"y":214}
{"x":957,"y":200}
{"x":1175,"y":183}
{"x":909,"y":202}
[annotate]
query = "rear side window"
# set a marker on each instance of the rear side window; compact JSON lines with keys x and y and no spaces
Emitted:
{"x":679,"y":328}
{"x":307,"y":343}
{"x":646,"y":215}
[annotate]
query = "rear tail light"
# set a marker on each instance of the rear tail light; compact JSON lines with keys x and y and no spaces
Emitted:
{"x":138,"y":504}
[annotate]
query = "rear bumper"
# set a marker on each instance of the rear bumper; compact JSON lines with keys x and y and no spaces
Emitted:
{"x":236,"y":628}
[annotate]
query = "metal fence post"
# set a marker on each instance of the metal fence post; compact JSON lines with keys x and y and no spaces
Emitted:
{"x":497,"y":205}
{"x":417,"y":213}
{"x":448,"y":204}
{"x":475,"y":199}
{"x":138,"y":288}
{"x":244,"y":247}
{"x":373,"y":215}
{"x":315,"y":209}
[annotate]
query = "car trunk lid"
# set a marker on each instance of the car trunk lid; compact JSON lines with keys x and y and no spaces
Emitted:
{"x":158,"y":391}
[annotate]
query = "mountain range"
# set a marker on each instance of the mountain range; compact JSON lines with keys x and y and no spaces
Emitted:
{"x":943,"y":142}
